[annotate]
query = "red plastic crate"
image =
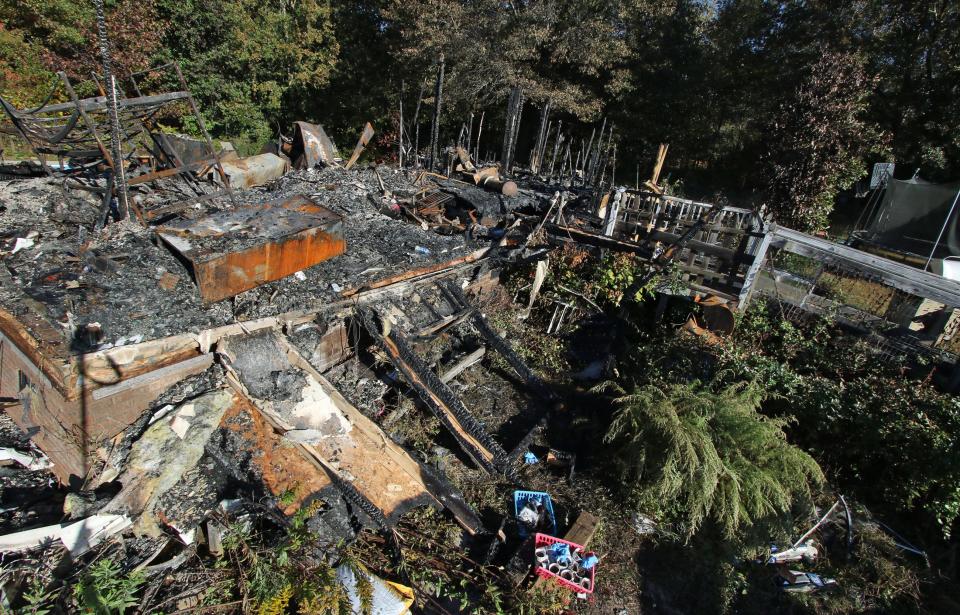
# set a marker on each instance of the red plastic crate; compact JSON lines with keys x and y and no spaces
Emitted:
{"x":543,"y":540}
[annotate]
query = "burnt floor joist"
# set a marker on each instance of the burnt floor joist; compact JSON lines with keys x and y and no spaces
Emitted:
{"x":456,"y":296}
{"x":469,"y":432}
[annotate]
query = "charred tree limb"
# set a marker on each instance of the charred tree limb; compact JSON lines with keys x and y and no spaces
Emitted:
{"x":455,"y":294}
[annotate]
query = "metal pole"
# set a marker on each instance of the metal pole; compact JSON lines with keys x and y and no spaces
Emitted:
{"x":120,"y":180}
{"x":942,"y":229}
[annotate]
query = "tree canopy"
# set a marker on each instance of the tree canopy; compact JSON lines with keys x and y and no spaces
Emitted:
{"x":782,"y":103}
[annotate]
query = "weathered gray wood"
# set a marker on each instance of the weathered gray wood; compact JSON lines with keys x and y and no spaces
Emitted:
{"x":726,"y":254}
{"x":759,"y":256}
{"x":900,"y":276}
{"x":444,"y":323}
{"x":460,"y":366}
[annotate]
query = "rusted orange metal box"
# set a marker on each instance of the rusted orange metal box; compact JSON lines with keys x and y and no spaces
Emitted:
{"x":239,"y":249}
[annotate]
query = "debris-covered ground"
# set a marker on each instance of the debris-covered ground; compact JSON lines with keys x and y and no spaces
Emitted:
{"x":138,"y":290}
{"x":418,"y":422}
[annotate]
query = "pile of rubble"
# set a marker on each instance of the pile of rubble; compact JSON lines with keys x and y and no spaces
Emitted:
{"x":195,"y":346}
{"x":226,"y":360}
{"x":139,"y":290}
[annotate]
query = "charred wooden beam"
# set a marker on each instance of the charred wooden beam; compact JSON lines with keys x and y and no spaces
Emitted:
{"x":435,"y":126}
{"x":668,"y":254}
{"x":443,"y":402}
{"x":511,"y":126}
{"x":536,"y":155}
{"x":455,"y":295}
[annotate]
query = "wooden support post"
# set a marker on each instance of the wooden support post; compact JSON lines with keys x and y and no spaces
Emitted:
{"x":400,"y":138}
{"x":586,"y":156}
{"x":511,"y":126}
{"x":416,"y":127}
{"x":536,"y":154}
{"x":476,"y":153}
{"x":435,"y":126}
{"x":469,"y":135}
{"x":556,"y":146}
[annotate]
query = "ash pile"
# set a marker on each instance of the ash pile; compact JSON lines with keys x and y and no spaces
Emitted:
{"x":173,"y":353}
{"x":129,"y":285}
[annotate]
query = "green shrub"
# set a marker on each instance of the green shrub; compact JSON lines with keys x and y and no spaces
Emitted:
{"x":711,"y":452}
{"x":105,"y":590}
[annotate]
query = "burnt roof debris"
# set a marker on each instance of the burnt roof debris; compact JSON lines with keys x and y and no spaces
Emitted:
{"x":53,"y":278}
{"x":75,"y":133}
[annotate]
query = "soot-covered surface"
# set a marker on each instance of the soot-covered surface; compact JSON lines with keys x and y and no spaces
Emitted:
{"x":137,"y":290}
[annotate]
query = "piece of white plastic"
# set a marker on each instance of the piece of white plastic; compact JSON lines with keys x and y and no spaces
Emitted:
{"x":27,"y":461}
{"x":78,"y":537}
{"x":22,"y":243}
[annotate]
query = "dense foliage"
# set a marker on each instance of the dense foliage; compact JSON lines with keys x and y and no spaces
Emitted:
{"x":711,"y":453}
{"x":814,"y":141}
{"x":878,"y":425}
{"x":837,"y":386}
{"x":778,"y":102}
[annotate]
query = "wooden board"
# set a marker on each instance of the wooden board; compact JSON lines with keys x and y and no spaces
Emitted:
{"x":908,"y":279}
{"x":44,"y":346}
{"x":112,"y":366}
{"x":583,"y":529}
{"x":68,"y":429}
{"x":354,"y":448}
{"x":392,"y":452}
{"x":283,"y":468}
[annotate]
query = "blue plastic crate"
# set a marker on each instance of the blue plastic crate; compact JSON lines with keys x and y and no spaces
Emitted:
{"x":520,"y":498}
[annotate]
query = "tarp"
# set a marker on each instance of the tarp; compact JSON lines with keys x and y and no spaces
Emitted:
{"x":911,"y":215}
